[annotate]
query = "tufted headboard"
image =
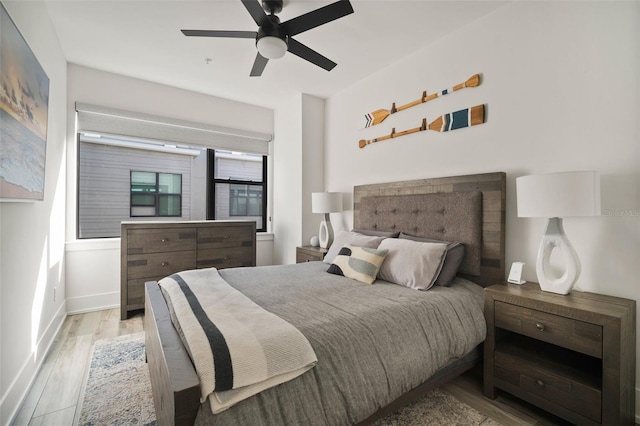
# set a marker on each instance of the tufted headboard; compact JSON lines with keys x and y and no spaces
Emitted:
{"x":469,"y":209}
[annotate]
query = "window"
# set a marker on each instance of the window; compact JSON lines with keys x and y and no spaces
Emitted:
{"x":237,"y":187}
{"x":124,"y":179}
{"x":112,"y":143}
{"x":245,"y":200}
{"x":120,"y":179}
{"x":156,"y":194}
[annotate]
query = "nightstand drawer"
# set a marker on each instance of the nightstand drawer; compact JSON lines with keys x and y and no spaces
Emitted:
{"x":305,"y":257}
{"x":565,"y":332}
{"x":310,"y":254}
{"x":528,"y":379}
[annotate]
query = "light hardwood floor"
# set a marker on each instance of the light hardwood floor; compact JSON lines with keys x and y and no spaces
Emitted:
{"x":56,"y":395}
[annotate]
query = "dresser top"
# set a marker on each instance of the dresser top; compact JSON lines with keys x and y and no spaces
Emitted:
{"x":183,"y":222}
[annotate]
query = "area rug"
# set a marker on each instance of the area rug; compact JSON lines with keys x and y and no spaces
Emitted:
{"x":437,"y":408}
{"x":118,"y":392}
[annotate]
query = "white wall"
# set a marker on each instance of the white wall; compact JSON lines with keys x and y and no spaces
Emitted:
{"x":93,"y":266}
{"x":312,"y":162}
{"x":287,"y":179}
{"x":32,"y":234}
{"x":561,"y":86}
{"x":298,"y":171}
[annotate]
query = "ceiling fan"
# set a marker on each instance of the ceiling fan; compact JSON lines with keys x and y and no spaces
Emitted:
{"x":274,"y":39}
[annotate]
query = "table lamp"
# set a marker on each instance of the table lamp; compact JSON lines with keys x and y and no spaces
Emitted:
{"x":326,"y":202}
{"x":557,"y":196}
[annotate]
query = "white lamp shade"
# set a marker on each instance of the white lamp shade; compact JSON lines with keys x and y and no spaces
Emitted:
{"x":326,"y":202}
{"x":271,"y":47}
{"x":566,"y":194}
{"x":556,"y":196}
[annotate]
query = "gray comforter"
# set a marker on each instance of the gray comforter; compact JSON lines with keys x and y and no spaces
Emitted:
{"x":373,"y":342}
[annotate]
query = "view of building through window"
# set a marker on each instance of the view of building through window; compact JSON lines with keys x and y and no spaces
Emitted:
{"x":239,"y":187}
{"x":121,"y":179}
{"x":156,"y":194}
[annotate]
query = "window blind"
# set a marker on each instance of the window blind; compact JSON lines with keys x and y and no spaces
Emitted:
{"x":102,"y":120}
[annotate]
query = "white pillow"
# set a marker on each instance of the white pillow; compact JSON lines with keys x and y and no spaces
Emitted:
{"x":345,"y":238}
{"x":412,"y":264}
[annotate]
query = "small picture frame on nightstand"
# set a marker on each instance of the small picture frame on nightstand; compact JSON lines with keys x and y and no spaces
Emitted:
{"x":515,"y":274}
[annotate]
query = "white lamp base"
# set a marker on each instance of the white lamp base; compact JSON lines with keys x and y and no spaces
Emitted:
{"x":554,"y":237}
{"x":326,"y":232}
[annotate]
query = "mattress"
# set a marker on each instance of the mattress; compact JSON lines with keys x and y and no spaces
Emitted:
{"x":373,"y":342}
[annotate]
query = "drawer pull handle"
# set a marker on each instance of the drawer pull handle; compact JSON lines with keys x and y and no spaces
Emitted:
{"x":165,"y":264}
{"x":540,"y":327}
{"x":540,"y":383}
{"x":165,"y":240}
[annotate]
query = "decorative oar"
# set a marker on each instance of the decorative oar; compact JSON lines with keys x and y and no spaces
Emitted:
{"x":452,"y":121}
{"x":378,"y":116}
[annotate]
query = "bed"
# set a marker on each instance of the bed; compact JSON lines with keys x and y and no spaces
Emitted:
{"x":375,"y":354}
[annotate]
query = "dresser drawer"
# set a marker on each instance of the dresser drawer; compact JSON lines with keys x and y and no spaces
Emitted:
{"x":141,"y":241}
{"x":135,"y":291}
{"x":569,"y":390}
{"x":154,"y":250}
{"x":231,"y":257}
{"x":225,"y":236}
{"x":159,"y":264}
{"x":565,"y":332}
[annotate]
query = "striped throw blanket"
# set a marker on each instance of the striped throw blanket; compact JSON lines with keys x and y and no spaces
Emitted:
{"x":238,"y":348}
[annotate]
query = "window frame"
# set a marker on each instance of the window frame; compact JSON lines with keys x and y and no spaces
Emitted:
{"x":212,"y":181}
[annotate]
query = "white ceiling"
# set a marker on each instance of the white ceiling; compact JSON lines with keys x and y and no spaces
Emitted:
{"x":142,"y":39}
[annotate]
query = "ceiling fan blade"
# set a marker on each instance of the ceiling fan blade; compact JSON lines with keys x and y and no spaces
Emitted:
{"x":310,"y":55}
{"x":216,"y":33}
{"x":317,"y":17}
{"x":258,"y":65}
{"x":256,"y":11}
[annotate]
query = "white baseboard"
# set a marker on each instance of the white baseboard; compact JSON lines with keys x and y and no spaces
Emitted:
{"x":93,"y":302}
{"x":22,"y":382}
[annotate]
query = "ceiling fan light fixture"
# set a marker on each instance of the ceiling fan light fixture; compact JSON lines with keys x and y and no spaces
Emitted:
{"x":271,"y":47}
{"x":273,"y":39}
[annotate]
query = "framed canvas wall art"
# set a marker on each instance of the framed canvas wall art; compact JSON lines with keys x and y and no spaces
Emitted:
{"x":24,"y":105}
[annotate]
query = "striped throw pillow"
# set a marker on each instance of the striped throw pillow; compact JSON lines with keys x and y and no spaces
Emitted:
{"x":358,"y":263}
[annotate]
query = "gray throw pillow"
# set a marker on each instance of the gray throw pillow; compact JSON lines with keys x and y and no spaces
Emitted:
{"x":413,"y":264}
{"x":344,"y":238}
{"x":452,"y":261}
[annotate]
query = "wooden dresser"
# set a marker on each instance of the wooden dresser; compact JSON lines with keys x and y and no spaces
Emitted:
{"x":152,"y":250}
{"x":571,"y":355}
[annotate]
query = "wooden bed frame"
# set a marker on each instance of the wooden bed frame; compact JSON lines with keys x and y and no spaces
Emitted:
{"x":176,"y":391}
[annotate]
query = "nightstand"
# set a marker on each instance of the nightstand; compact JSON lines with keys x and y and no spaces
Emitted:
{"x":310,"y":254}
{"x":572,"y":355}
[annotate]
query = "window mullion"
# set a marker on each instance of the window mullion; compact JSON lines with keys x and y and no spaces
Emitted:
{"x":157,"y":194}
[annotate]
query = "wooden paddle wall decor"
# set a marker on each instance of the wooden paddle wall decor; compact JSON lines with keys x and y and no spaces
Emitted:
{"x":379,"y":115}
{"x":452,"y":121}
